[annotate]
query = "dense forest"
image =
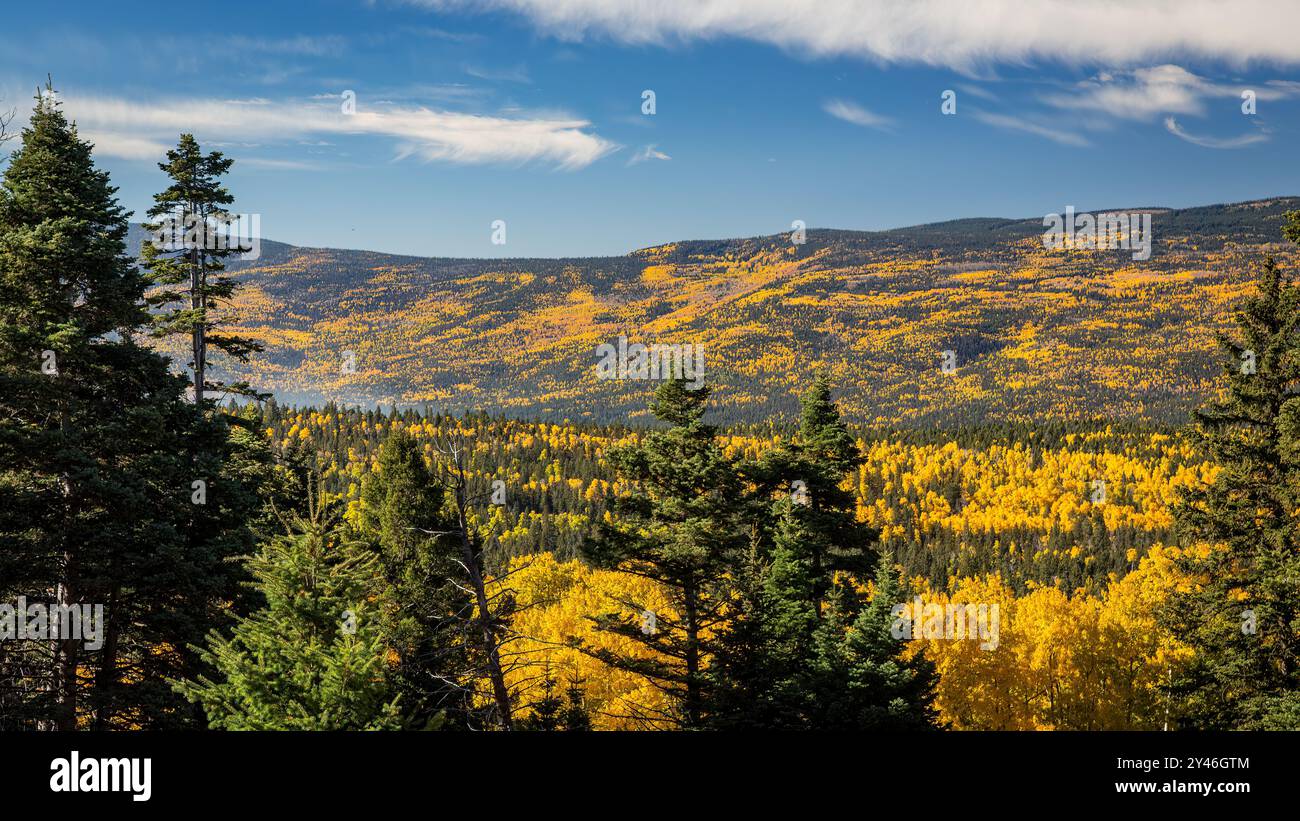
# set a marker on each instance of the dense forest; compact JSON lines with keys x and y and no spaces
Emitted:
{"x":1012,"y":499}
{"x":265,"y":566}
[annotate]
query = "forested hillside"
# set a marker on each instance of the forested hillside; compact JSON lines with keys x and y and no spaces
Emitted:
{"x":1035,"y":334}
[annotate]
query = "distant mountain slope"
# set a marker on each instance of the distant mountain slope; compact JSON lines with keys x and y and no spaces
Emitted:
{"x":1035,"y":333}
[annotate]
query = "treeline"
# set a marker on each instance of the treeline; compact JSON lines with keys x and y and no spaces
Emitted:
{"x":267,"y":568}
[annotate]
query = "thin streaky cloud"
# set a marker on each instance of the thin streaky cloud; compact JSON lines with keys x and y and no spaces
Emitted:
{"x":518,"y":74}
{"x":978,"y":91}
{"x":1010,"y":123}
{"x":130,"y":129}
{"x":1244,"y":141}
{"x":1155,"y":91}
{"x":278,"y":165}
{"x":300,"y":46}
{"x":125,"y":146}
{"x":427,"y":32}
{"x":650,"y":152}
{"x":851,"y":112}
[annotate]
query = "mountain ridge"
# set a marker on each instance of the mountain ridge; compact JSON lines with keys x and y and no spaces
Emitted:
{"x":1032,"y":225}
{"x":1033,"y":332}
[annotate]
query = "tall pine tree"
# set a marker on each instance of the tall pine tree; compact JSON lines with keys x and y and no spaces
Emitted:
{"x":424,"y":610}
{"x":90,"y":425}
{"x":188,"y":272}
{"x":812,"y":471}
{"x":1243,"y":620}
{"x":682,"y":528}
{"x":799,"y":650}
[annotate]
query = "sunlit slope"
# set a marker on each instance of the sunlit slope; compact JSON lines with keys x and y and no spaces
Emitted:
{"x":1035,"y":333}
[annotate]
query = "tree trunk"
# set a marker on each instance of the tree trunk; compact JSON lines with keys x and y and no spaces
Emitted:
{"x":199,"y":344}
{"x":63,"y":678}
{"x":106,"y":676}
{"x":64,"y":681}
{"x":693,"y":696}
{"x":487,"y":622}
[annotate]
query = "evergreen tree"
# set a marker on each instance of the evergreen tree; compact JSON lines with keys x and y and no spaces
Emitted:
{"x":314,"y":657}
{"x":796,"y":652}
{"x":556,"y":711}
{"x":813,"y":470}
{"x":759,"y":670}
{"x":859,"y":678}
{"x":424,"y":611}
{"x":187,"y":250}
{"x":682,"y":528}
{"x":782,"y":665}
{"x":1244,"y":619}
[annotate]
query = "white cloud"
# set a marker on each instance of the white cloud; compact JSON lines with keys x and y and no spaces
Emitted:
{"x":278,"y":165}
{"x":134,"y":130}
{"x":1172,"y":126}
{"x":1147,"y":93}
{"x":650,"y":152}
{"x":126,"y":146}
{"x":851,"y":112}
{"x":957,"y":35}
{"x":1010,"y":123}
{"x":978,"y":91}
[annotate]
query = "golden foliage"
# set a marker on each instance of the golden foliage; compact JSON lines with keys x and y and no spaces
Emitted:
{"x":557,"y":600}
{"x":1065,"y":662}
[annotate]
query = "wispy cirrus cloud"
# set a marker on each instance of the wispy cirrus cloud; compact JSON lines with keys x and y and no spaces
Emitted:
{"x":1172,"y":126}
{"x":138,"y":130}
{"x":962,"y":36}
{"x":650,"y":152}
{"x":126,"y":146}
{"x":978,"y":91}
{"x":1008,"y":122}
{"x":516,"y":74}
{"x":1166,"y":92}
{"x":1148,"y":93}
{"x":851,"y":112}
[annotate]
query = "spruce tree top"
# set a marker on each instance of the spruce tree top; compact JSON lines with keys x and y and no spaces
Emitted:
{"x":63,"y":237}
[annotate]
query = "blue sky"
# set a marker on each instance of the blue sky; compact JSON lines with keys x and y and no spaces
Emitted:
{"x":530,"y":111}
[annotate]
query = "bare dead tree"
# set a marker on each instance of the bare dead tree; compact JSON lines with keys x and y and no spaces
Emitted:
{"x":6,"y":117}
{"x":490,"y":628}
